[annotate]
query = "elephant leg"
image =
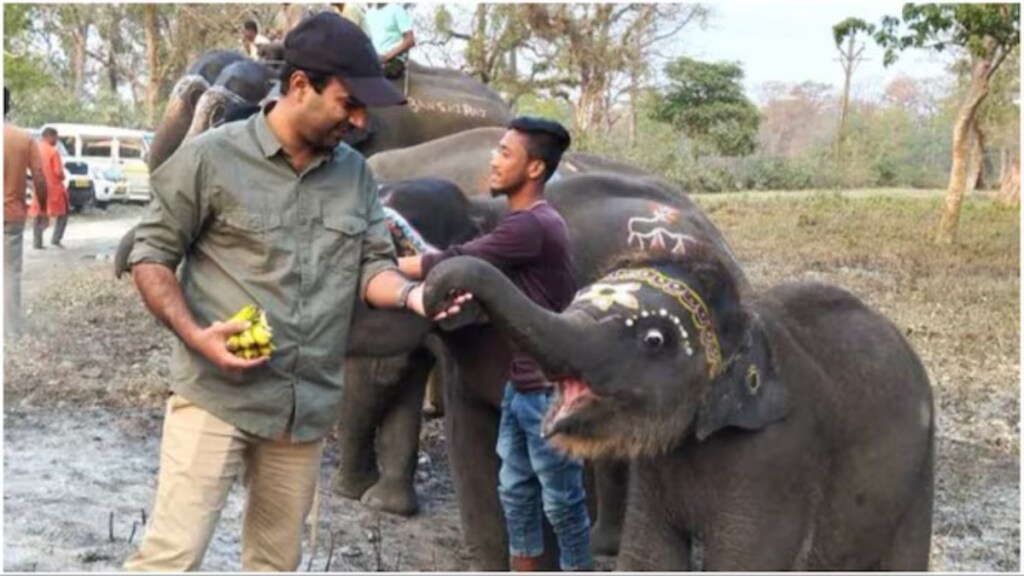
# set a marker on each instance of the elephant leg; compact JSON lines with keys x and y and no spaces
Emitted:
{"x":471,"y":429}
{"x":364,"y":403}
{"x":911,"y":546}
{"x":746,"y":539}
{"x":398,"y":443}
{"x":611,"y":480}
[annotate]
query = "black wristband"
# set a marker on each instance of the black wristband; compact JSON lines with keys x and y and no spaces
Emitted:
{"x":403,"y":294}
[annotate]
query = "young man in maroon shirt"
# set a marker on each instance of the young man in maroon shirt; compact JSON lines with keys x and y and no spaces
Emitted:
{"x":531,"y":246}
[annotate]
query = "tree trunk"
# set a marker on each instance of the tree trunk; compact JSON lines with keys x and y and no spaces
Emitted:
{"x":590,"y":106}
{"x":78,"y":56}
{"x":976,"y":172}
{"x":152,"y":62}
{"x":1009,"y":188}
{"x":961,"y":148}
{"x":848,"y":58}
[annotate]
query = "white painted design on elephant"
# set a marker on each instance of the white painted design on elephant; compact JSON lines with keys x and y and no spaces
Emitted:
{"x":460,"y":108}
{"x":649,"y":233}
{"x":603,"y":296}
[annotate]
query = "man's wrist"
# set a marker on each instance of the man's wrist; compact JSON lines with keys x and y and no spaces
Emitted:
{"x":404,"y":292}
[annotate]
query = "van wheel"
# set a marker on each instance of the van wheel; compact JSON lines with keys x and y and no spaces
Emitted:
{"x":100,"y":205}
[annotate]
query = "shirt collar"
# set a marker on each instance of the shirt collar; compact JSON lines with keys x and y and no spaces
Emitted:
{"x":268,"y":142}
{"x":271,"y":146}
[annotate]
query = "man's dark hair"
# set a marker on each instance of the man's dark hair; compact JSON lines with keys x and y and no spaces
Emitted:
{"x":251,"y":25}
{"x":7,"y":101}
{"x":317,"y":80}
{"x":546,"y":140}
{"x":49,"y":131}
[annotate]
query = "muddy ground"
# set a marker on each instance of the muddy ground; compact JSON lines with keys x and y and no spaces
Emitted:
{"x":83,"y":388}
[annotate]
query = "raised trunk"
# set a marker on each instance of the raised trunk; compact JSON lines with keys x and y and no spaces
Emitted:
{"x":558,"y":343}
{"x":176,"y":119}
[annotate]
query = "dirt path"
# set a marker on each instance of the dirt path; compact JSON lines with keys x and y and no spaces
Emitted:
{"x":77,"y":483}
{"x":89,"y":238}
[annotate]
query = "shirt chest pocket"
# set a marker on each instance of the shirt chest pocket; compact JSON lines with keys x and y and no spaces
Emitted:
{"x":247,"y":236}
{"x":342,"y":241}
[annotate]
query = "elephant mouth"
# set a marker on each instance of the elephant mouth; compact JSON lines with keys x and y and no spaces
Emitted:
{"x":573,"y":397}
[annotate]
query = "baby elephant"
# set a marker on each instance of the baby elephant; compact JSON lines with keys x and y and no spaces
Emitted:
{"x":793,"y":430}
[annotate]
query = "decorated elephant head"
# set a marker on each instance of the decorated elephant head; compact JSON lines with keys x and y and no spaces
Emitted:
{"x":658,"y":350}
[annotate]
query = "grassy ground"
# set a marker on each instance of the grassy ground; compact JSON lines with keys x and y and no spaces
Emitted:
{"x":91,"y":343}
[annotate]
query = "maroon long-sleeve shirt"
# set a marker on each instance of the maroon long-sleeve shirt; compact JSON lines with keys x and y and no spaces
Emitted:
{"x":531,"y":247}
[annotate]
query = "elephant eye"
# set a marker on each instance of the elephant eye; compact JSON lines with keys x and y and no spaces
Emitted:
{"x":653,"y":338}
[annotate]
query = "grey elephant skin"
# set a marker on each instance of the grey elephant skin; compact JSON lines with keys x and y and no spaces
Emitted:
{"x":788,"y":430}
{"x":464,"y":157}
{"x":602,"y":211}
{"x":440,"y":102}
{"x":389,"y":360}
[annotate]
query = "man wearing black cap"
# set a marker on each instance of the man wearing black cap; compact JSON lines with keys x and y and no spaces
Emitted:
{"x":531,"y":246}
{"x":276,"y":212}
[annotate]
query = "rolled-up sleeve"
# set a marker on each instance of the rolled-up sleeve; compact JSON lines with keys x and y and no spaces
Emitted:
{"x":176,"y":213}
{"x":378,"y":252}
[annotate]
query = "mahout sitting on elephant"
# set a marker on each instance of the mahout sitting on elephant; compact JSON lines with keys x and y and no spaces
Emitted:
{"x":786,"y":430}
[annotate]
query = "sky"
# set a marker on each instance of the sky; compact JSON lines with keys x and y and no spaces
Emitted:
{"x":792,"y":42}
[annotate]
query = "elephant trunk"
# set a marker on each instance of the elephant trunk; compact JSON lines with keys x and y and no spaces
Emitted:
{"x":176,"y":119}
{"x":558,"y":342}
{"x":211,"y":106}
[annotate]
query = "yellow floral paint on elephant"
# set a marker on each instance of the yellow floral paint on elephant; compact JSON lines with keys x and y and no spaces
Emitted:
{"x":603,"y":296}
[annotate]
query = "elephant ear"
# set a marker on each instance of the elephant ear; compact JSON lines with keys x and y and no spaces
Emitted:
{"x":749,"y":394}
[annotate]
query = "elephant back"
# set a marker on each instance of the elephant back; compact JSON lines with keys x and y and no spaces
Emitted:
{"x":440,"y":103}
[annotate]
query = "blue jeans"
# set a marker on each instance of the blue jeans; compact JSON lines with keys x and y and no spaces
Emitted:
{"x":533,"y":473}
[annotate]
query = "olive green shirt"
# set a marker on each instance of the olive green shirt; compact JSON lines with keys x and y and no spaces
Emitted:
{"x":246,"y":228}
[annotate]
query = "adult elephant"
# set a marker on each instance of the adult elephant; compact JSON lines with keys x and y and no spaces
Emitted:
{"x":464,"y":158}
{"x":388,"y":362}
{"x":440,"y":102}
{"x":606,"y":214}
{"x":789,"y":430}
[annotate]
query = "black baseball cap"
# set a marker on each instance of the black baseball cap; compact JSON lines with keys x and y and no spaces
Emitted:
{"x":330,"y":44}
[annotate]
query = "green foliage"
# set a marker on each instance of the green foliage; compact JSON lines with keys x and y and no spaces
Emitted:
{"x":850,"y":27}
{"x":705,"y":100}
{"x":942,"y":26}
{"x":553,"y":108}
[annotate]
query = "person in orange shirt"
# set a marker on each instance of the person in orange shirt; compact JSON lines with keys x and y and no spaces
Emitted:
{"x":57,"y":197}
{"x":20,"y":155}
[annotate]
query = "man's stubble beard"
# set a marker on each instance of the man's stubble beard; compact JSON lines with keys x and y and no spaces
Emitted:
{"x":508,"y":190}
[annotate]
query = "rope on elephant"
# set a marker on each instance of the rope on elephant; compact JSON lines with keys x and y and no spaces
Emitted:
{"x":407,"y":240}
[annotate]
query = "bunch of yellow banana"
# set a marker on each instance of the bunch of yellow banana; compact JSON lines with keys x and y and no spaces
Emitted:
{"x":255,"y":341}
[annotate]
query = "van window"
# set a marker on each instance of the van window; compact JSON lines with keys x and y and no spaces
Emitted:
{"x":69,"y":143}
{"x":130,"y":148}
{"x":96,"y":147}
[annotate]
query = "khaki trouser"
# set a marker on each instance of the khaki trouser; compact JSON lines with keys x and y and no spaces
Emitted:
{"x":200,"y":457}
{"x":14,"y":237}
